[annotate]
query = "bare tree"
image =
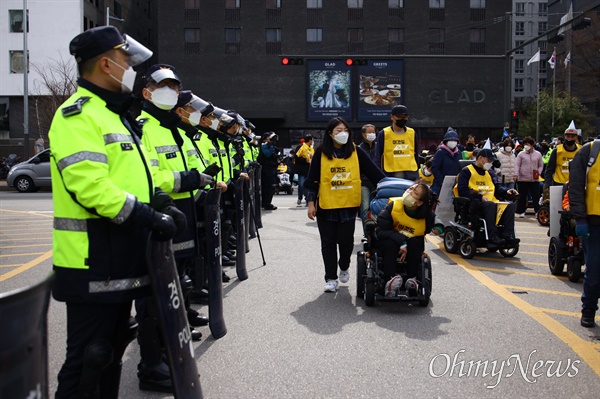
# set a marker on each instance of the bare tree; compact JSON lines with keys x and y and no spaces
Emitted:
{"x":57,"y":81}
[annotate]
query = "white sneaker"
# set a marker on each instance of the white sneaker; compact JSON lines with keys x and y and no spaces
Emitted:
{"x":522,"y":215}
{"x":411,"y":286}
{"x":344,"y":276}
{"x":299,"y":202}
{"x":392,"y":286}
{"x":331,"y":286}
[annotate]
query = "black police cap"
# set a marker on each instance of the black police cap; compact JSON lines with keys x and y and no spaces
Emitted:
{"x":95,"y":41}
{"x":185,"y":97}
{"x":159,"y":72}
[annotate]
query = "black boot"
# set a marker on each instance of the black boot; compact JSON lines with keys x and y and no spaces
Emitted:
{"x":157,"y":378}
{"x":588,"y":318}
{"x":225,"y":278}
{"x":195,"y":319}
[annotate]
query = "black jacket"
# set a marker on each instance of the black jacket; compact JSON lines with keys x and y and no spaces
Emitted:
{"x":577,"y":182}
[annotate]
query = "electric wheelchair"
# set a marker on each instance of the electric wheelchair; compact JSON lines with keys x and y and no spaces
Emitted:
{"x":566,"y":248}
{"x":467,"y":232}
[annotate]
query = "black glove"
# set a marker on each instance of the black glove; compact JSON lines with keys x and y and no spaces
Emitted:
{"x":161,"y":199}
{"x":212,"y":169}
{"x":178,"y":217}
{"x":205,"y":179}
{"x":162,"y":225}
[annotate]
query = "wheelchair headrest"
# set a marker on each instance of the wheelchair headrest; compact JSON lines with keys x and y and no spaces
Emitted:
{"x":463,"y":163}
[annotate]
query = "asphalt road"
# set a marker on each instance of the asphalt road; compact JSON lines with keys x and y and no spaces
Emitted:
{"x":288,"y":339}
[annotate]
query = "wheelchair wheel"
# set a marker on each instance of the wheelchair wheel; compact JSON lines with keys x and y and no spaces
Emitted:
{"x":427,"y":280}
{"x":369,"y":294}
{"x":468,"y":249}
{"x":361,"y":272}
{"x":556,"y":256}
{"x":509,"y":252}
{"x":451,"y":240}
{"x":574,"y":270}
{"x":543,"y":215}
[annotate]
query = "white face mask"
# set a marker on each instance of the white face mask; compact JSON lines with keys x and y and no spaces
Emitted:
{"x":127,"y":80}
{"x":214,"y":125}
{"x":527,"y":147}
{"x":194,"y":118}
{"x":487,"y":166}
{"x":408,"y":199}
{"x":371,"y":137}
{"x":508,"y":149}
{"x":426,"y":172}
{"x":452,"y":144}
{"x":164,"y":98}
{"x":341,"y":138}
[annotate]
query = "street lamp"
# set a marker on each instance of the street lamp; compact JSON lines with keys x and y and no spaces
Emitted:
{"x":109,"y":17}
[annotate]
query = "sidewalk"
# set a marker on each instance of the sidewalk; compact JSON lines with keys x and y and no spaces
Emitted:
{"x":4,"y":186}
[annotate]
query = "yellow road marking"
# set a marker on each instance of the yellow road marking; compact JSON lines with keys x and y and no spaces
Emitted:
{"x":25,"y":254}
{"x":26,"y":239}
{"x":531,"y":289}
{"x":26,"y":234}
{"x":523,"y":262}
{"x":26,"y":266}
{"x":533,"y":253}
{"x":491,"y":269}
{"x":533,"y":245}
{"x":585,"y":350}
{"x":563,"y":312}
{"x":15,"y":265}
{"x":30,"y":213}
{"x":25,"y":246}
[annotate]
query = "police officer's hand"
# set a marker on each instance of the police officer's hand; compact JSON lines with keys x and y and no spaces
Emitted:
{"x":162,"y":225}
{"x":205,"y":179}
{"x":178,"y":217}
{"x":244,"y":176}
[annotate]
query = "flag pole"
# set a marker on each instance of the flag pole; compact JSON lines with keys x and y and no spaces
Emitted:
{"x":553,"y":89}
{"x":537,"y":119}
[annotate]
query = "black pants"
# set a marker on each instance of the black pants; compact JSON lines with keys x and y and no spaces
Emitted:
{"x":488,"y":211}
{"x":87,"y":323}
{"x":334,"y":235}
{"x":268,"y":181}
{"x":524,"y":189}
{"x":389,"y":251}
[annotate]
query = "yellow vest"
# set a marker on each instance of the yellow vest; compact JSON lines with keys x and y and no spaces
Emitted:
{"x":399,"y":151}
{"x":484,"y":185}
{"x":592,"y":191}
{"x":339,"y":182}
{"x":405,"y":224}
{"x":563,"y":157}
{"x":426,"y":179}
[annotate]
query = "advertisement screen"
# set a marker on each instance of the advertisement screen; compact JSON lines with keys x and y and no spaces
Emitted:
{"x":380,"y":88}
{"x":329,"y":90}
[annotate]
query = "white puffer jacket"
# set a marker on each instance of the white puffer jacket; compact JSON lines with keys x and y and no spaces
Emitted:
{"x":507,"y":168}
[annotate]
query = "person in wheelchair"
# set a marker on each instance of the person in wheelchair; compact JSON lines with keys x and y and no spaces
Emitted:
{"x":401,"y":229}
{"x":475,"y":183}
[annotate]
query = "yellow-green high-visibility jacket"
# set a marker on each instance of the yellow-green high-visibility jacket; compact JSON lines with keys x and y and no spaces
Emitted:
{"x":98,"y":171}
{"x":171,"y":166}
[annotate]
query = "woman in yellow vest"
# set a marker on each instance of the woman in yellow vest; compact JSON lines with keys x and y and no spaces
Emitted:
{"x":333,"y":194}
{"x":401,"y":229}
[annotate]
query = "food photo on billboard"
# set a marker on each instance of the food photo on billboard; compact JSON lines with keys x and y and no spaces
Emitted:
{"x":380,"y":88}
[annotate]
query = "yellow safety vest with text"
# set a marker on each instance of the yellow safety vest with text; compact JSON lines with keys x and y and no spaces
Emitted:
{"x":563,"y":157}
{"x":592,"y":191}
{"x":339,"y":185}
{"x":404,"y":224}
{"x":399,"y":150}
{"x":484,"y":185}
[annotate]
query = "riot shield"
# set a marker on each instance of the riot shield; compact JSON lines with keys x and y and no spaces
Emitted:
{"x":240,"y":251}
{"x":213,"y":260}
{"x":173,"y":320}
{"x":247,"y":214}
{"x":250,"y":221}
{"x":24,"y":341}
{"x":257,"y":198}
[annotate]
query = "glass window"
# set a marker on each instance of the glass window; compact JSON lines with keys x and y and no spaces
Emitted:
{"x":273,"y":35}
{"x":395,"y":3}
{"x":273,"y":4}
{"x":519,"y":28}
{"x":522,"y":49}
{"x":519,"y":66}
{"x":437,"y":3}
{"x":519,"y":85}
{"x":232,"y":3}
{"x":395,"y":35}
{"x":543,"y":45}
{"x":191,"y":35}
{"x":192,"y":4}
{"x":355,"y":3}
{"x":233,"y":35}
{"x":543,"y":9}
{"x":436,"y":35}
{"x":314,"y":35}
{"x":519,"y":9}
{"x":15,"y":21}
{"x":542,"y":27}
{"x":477,"y":35}
{"x":355,"y":35}
{"x":314,"y":3}
{"x":477,"y":3}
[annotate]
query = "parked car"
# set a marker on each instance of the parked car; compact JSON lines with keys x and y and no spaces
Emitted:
{"x":32,"y":174}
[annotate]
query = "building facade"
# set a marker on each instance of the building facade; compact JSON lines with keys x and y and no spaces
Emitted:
{"x":450,"y":53}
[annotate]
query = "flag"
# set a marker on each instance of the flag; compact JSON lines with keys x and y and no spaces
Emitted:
{"x":552,"y":60}
{"x":567,"y":17}
{"x":535,"y":58}
{"x":567,"y":59}
{"x":488,"y":144}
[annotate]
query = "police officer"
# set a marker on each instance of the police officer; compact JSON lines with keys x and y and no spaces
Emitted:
{"x":397,"y":147}
{"x":175,"y":169}
{"x":267,"y":157}
{"x":557,"y":168}
{"x":102,"y":191}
